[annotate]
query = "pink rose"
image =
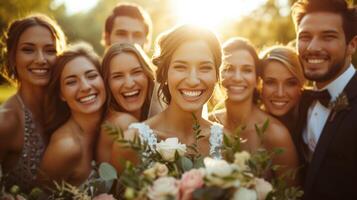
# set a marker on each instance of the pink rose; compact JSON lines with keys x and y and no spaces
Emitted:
{"x":104,"y":197}
{"x":190,"y":181}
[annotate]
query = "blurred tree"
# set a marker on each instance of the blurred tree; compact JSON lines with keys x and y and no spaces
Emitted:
{"x":267,"y":25}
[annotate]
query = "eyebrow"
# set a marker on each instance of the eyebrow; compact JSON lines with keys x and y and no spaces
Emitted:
{"x":86,"y":72}
{"x":33,"y":44}
{"x":137,"y":67}
{"x":185,"y":62}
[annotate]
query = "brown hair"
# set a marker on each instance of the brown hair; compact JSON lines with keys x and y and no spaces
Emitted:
{"x":239,"y":43}
{"x":168,"y":42}
{"x":13,"y":34}
{"x":286,"y":56}
{"x":348,"y":14}
{"x":145,"y":63}
{"x":129,"y":10}
{"x":58,"y":110}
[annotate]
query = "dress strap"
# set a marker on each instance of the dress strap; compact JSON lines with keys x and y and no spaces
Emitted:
{"x":216,"y":140}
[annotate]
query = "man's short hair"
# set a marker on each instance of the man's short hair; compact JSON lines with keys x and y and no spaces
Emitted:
{"x":348,"y":14}
{"x":129,"y":10}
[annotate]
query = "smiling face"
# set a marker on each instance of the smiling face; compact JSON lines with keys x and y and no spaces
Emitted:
{"x":128,"y":82}
{"x":281,"y":89}
{"x":35,"y":55}
{"x":127,"y":30}
{"x":191,"y":75}
{"x":82,"y":87}
{"x":322,"y":46}
{"x":239,"y":76}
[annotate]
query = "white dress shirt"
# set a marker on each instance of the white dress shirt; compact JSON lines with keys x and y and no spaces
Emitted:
{"x":318,"y":114}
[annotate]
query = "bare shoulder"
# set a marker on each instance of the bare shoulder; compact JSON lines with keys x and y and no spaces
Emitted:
{"x":64,"y":145}
{"x":121,"y":120}
{"x":9,"y":118}
{"x":276,"y":133}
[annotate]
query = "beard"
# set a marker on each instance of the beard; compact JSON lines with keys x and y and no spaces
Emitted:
{"x":333,"y":70}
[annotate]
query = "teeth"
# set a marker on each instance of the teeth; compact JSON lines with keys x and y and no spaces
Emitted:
{"x":128,"y":94}
{"x":87,"y":98}
{"x":237,"y":88}
{"x":279,"y":103}
{"x":191,"y":93}
{"x":315,"y":61}
{"x":39,"y":71}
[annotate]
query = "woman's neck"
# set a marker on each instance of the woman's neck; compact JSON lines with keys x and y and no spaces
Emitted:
{"x":87,"y":123}
{"x":180,"y":121}
{"x":237,"y":113}
{"x":33,"y":97}
{"x":137,"y":114}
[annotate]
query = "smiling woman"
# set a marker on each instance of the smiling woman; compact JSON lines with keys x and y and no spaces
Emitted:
{"x":214,"y":12}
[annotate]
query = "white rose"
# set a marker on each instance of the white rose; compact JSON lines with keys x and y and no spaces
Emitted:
{"x":245,"y":194}
{"x":241,"y":158}
{"x":220,"y":168}
{"x":164,"y":187}
{"x":168,"y":148}
{"x":262,"y":187}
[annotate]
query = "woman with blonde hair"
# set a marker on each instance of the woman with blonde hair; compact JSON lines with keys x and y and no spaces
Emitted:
{"x":282,"y":84}
{"x":239,"y":80}
{"x":32,"y":44}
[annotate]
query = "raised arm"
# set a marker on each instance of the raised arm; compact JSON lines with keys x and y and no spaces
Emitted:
{"x":121,"y":153}
{"x":105,"y":142}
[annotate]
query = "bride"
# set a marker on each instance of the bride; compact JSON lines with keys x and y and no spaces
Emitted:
{"x":188,"y":60}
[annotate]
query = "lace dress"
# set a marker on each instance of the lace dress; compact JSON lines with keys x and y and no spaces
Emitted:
{"x":24,"y":174}
{"x":215,"y":139}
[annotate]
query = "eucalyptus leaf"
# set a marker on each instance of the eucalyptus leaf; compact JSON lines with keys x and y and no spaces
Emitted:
{"x":185,"y":163}
{"x":107,"y":172}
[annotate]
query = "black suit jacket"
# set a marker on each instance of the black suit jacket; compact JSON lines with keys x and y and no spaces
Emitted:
{"x":332,"y":171}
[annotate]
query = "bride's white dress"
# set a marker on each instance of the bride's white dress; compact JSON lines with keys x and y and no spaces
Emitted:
{"x":215,"y":138}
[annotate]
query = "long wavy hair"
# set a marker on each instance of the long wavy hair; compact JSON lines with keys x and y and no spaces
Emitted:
{"x":145,"y":63}
{"x":58,"y":112}
{"x":11,"y":38}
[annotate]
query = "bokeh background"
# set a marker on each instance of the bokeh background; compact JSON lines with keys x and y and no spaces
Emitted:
{"x":264,"y":22}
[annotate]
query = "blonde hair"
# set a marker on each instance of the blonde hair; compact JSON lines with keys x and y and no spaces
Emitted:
{"x":286,"y":56}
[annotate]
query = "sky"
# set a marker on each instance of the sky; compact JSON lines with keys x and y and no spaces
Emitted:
{"x":210,"y":13}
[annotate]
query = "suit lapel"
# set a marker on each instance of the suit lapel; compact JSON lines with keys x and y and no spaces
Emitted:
{"x":329,"y":130}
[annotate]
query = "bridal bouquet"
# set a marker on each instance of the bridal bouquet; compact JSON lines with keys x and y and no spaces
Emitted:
{"x":167,"y":171}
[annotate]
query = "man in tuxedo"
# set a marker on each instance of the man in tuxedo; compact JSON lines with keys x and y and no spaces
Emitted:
{"x":326,"y":41}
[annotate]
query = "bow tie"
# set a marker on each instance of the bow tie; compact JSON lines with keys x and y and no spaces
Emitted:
{"x":323,"y":97}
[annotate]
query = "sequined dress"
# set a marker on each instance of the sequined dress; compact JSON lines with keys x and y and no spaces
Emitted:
{"x":24,"y":173}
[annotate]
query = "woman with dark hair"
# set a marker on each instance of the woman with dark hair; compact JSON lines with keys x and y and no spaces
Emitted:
{"x":239,"y":80}
{"x":75,"y":102}
{"x":32,"y":44}
{"x":188,"y":60}
{"x":129,"y":78}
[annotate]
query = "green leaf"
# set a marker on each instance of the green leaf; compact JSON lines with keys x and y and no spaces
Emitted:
{"x":185,"y":163}
{"x":107,"y":172}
